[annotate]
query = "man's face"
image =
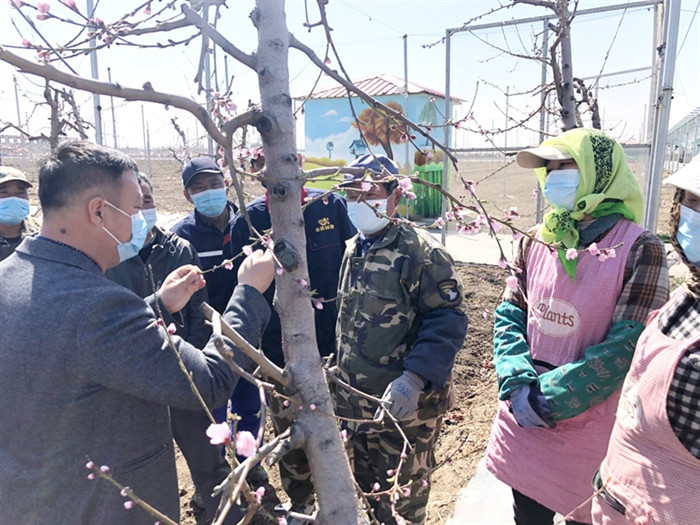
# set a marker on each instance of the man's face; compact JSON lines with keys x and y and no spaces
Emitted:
{"x":368,"y":191}
{"x":365,"y":190}
{"x":205,"y":181}
{"x":14,"y":188}
{"x":148,"y":201}
{"x":129,"y":202}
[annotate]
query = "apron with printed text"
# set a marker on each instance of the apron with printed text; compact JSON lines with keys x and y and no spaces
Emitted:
{"x":555,"y":466}
{"x":647,"y":469}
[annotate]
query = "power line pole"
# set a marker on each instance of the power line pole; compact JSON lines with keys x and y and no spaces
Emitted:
{"x":111,"y":104}
{"x":96,"y":76}
{"x":539,"y":205}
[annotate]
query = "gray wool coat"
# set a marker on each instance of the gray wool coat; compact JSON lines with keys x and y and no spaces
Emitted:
{"x":86,"y":372}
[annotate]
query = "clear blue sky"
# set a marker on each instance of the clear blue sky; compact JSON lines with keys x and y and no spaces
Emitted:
{"x":368,"y":35}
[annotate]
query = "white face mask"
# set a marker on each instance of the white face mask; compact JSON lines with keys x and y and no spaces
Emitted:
{"x":151,"y":217}
{"x":363,"y":217}
{"x":688,"y":234}
{"x":560,"y":188}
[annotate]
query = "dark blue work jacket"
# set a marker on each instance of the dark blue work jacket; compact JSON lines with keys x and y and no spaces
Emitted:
{"x":327,"y":228}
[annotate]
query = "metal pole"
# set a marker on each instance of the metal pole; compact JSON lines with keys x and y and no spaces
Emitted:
{"x":19,"y":118}
{"x":656,"y":72}
{"x":530,"y":20}
{"x":672,"y":9}
{"x":405,"y":91}
{"x":405,"y":102}
{"x":19,"y":124}
{"x":543,"y":113}
{"x":446,"y":131}
{"x":505,"y":143}
{"x":148,"y":150}
{"x":145,"y":137}
{"x":96,"y":76}
{"x":226,"y":72}
{"x":111,"y":104}
{"x":207,"y":84}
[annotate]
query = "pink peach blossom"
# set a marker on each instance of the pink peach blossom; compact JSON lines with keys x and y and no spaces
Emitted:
{"x":245,"y":444}
{"x":219,"y":434}
{"x":571,"y":254}
{"x":258,"y":494}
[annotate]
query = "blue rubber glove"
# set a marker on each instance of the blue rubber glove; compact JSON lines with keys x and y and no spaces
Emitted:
{"x":403,"y":393}
{"x":530,"y":407}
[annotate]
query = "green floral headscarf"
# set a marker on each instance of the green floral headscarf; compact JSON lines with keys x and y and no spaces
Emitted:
{"x":607,"y":186}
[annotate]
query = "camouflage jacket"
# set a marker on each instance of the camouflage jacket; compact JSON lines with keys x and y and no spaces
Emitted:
{"x":398,"y":310}
{"x":29,"y":227}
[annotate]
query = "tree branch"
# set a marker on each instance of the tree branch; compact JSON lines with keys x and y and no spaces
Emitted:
{"x":218,"y":38}
{"x":247,"y":118}
{"x":266,"y":366}
{"x":147,"y":94}
{"x":541,"y":3}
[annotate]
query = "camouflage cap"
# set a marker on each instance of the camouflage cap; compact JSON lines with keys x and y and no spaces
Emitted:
{"x":377,"y":164}
{"x":374,"y":163}
{"x":8,"y":173}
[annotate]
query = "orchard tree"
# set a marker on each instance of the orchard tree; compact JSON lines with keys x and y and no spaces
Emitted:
{"x":574,"y":98}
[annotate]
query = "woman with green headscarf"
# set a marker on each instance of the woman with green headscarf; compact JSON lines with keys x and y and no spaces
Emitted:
{"x":565,"y":333}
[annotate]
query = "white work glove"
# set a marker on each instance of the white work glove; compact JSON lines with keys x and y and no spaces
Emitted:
{"x":402,"y":395}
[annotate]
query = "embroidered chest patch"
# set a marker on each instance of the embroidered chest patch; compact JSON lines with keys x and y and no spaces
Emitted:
{"x":324,"y":224}
{"x":555,"y":317}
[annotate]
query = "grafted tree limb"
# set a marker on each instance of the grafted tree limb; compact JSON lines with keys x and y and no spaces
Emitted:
{"x":323,"y":446}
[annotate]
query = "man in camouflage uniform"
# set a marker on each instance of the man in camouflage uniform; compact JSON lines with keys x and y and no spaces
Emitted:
{"x":399,"y":329}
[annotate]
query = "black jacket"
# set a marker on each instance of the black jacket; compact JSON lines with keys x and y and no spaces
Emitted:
{"x":166,"y":253}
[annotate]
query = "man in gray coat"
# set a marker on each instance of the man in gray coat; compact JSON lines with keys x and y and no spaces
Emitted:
{"x":162,"y":253}
{"x":85,"y":370}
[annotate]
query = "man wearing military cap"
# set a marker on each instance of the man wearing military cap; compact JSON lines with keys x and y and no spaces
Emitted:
{"x":14,"y":210}
{"x":399,"y":329}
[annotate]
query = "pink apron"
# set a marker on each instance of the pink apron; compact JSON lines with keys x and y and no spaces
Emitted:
{"x":555,"y":466}
{"x":647,"y":469}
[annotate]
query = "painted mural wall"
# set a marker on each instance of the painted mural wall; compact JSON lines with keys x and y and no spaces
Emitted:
{"x":331,"y":133}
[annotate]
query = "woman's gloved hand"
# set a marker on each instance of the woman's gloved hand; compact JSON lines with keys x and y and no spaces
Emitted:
{"x":530,"y":407}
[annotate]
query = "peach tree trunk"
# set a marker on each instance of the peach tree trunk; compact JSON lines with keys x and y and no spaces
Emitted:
{"x":333,"y":480}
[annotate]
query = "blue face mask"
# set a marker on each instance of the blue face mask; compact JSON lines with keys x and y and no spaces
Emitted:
{"x":211,"y":203}
{"x":13,"y":210}
{"x":560,"y":188}
{"x":151,"y":217}
{"x":688,"y":235}
{"x":139,"y":231}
